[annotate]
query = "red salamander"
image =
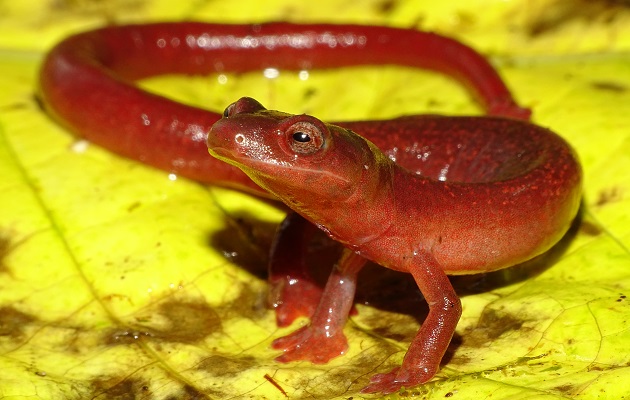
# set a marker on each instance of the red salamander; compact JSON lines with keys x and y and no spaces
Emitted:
{"x":427,"y":195}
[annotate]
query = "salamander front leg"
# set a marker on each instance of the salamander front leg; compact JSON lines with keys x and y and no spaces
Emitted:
{"x":428,"y":347}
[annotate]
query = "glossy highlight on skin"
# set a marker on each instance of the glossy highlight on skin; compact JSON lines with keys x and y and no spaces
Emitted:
{"x":428,"y":195}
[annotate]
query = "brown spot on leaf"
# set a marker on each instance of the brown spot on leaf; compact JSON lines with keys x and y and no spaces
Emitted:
{"x":558,"y":13}
{"x":309,"y":93}
{"x":114,"y":388}
{"x":386,"y":6}
{"x":609,"y":86}
{"x":5,"y":248}
{"x":567,"y":389}
{"x":189,"y":322}
{"x":133,"y":206}
{"x":191,"y":393}
{"x":122,"y":390}
{"x":127,"y":336}
{"x":179,"y":321}
{"x":117,"y":388}
{"x":609,"y":195}
{"x":218,"y":365}
{"x":496,"y":324}
{"x":7,"y":245}
{"x":13,"y":323}
{"x":590,"y":229}
{"x":251,"y":302}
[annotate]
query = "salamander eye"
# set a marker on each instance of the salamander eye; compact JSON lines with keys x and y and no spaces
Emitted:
{"x":305,"y":137}
{"x":301,"y":137}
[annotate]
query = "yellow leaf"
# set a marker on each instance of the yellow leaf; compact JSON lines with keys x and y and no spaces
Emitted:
{"x":116,"y":281}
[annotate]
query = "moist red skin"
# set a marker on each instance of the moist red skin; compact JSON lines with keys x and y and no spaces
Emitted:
{"x":84,"y":81}
{"x":493,"y":191}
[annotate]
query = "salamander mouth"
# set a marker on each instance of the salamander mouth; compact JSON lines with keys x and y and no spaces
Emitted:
{"x":219,"y":152}
{"x":232,"y":157}
{"x":238,"y":160}
{"x":222,"y":153}
{"x":268,"y":169}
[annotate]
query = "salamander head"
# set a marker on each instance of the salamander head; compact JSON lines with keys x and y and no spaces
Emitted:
{"x":298,"y":158}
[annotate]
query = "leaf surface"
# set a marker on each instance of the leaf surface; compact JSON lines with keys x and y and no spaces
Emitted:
{"x":116,"y":281}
